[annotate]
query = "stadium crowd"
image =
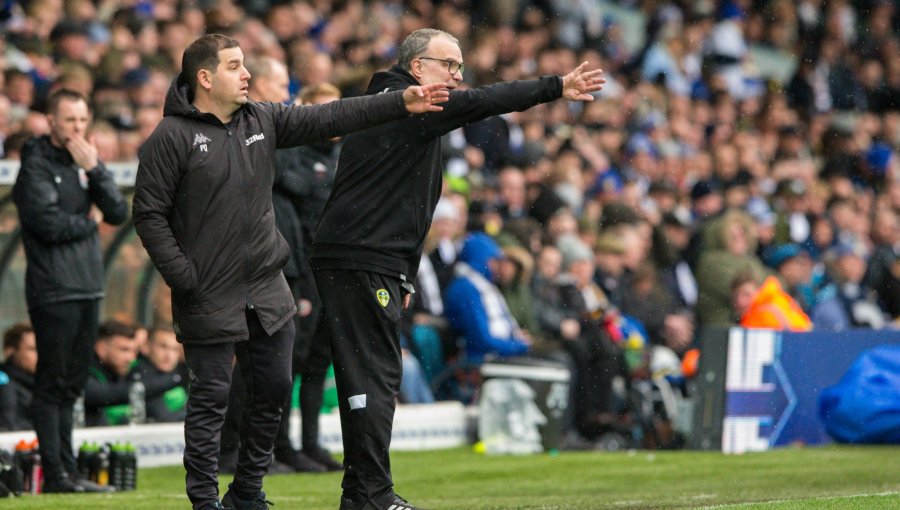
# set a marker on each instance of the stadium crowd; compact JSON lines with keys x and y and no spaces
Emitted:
{"x":604,"y":230}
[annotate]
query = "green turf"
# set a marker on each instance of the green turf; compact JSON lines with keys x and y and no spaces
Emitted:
{"x":797,"y":478}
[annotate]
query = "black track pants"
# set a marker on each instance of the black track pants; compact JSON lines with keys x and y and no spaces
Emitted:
{"x":265,"y":365}
{"x":65,"y":333}
{"x":363,"y":311}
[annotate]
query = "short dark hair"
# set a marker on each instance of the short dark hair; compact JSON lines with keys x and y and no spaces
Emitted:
{"x":13,"y":336}
{"x":112,"y":328}
{"x":416,"y":43}
{"x":60,"y":95}
{"x":159,"y":328}
{"x":204,"y":54}
{"x":744,"y":277}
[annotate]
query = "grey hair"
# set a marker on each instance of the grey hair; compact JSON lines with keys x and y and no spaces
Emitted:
{"x":416,"y":43}
{"x":262,"y":66}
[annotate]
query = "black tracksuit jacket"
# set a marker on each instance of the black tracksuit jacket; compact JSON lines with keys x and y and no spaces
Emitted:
{"x":62,"y":245}
{"x":389,"y":177}
{"x":21,"y":386}
{"x":203,"y":205}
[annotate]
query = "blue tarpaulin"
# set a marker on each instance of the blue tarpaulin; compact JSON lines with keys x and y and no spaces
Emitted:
{"x":864,"y":407}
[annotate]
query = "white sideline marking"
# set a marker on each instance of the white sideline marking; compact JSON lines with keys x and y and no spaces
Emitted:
{"x":823,"y":498}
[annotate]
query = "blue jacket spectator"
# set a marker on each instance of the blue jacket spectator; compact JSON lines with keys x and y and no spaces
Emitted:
{"x":475,"y":307}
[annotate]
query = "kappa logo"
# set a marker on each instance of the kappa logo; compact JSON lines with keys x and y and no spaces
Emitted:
{"x":201,"y":140}
{"x":383,"y":297}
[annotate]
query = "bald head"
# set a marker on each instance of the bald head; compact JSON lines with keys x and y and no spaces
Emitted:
{"x":268,"y":79}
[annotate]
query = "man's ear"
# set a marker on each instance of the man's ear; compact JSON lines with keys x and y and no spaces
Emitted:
{"x":204,"y":78}
{"x":415,"y":68}
{"x":100,"y":349}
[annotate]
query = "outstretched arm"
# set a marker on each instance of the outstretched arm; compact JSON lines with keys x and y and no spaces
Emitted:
{"x":579,"y":84}
{"x":297,"y":125}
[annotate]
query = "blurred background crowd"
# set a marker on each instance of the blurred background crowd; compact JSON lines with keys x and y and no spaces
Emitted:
{"x":733,"y":141}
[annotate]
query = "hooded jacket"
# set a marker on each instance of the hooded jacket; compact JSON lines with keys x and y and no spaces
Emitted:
{"x":475,"y":307}
{"x":17,"y":416}
{"x":389,"y":178}
{"x":203,"y":205}
{"x":62,"y":246}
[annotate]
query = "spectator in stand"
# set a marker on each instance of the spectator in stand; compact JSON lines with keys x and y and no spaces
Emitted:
{"x":847,"y":302}
{"x":792,"y":225}
{"x":883,"y":270}
{"x":724,"y":256}
{"x":511,"y":185}
{"x":20,"y":363}
{"x":165,"y":388}
{"x":513,"y":279}
{"x":475,"y":307}
{"x":106,"y":394}
{"x":13,"y":144}
{"x":554,"y":320}
{"x":794,"y":269}
{"x":765,"y":305}
{"x":430,"y":337}
{"x":671,"y":238}
{"x":596,"y":360}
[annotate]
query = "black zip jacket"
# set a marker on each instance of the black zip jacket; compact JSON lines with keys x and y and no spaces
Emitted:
{"x":165,"y":392}
{"x":203,"y":205}
{"x":20,"y":386}
{"x":389,"y":178}
{"x":106,"y":389}
{"x":309,"y":176}
{"x":62,"y":247}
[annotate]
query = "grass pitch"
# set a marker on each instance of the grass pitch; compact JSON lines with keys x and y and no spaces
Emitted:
{"x":834,"y":477}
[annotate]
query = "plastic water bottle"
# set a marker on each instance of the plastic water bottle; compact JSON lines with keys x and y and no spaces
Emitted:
{"x":101,"y":466}
{"x":85,"y":458}
{"x":22,"y":458}
{"x":115,"y":465}
{"x":136,"y":401}
{"x":37,"y":472}
{"x":129,"y":467}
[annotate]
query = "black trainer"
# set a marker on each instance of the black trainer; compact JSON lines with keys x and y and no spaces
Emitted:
{"x":324,"y":458}
{"x":303,"y":463}
{"x":398,"y":504}
{"x":90,"y":486}
{"x":279,"y":468}
{"x":348,"y":504}
{"x":232,"y":502}
{"x":61,"y":486}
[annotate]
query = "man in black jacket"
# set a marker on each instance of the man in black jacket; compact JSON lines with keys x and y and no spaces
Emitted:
{"x":20,"y":353}
{"x":203,"y":210}
{"x":290,"y":187}
{"x":306,"y":177}
{"x":59,"y":183}
{"x":165,"y":389}
{"x":106,"y":395}
{"x":369,"y":241}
